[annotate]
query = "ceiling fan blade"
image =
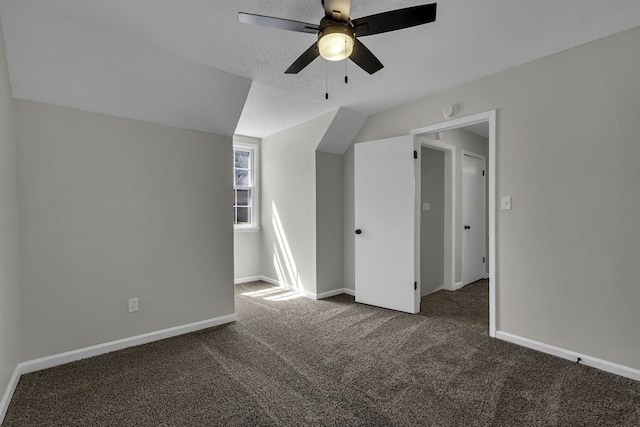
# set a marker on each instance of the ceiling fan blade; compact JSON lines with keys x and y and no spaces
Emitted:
{"x":364,"y":58}
{"x":305,"y":59}
{"x":282,"y":24}
{"x":337,"y":10}
{"x":395,"y":20}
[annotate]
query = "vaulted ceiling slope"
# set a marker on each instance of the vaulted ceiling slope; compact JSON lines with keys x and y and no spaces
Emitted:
{"x":191,"y":64}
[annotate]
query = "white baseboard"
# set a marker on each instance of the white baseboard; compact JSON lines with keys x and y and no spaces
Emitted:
{"x":335,"y":292}
{"x":305,"y":293}
{"x":439,"y":288}
{"x":585,"y":359}
{"x":457,"y":286}
{"x":96,"y":350}
{"x":247,"y":280}
{"x":289,"y":287}
{"x":8,"y":393}
{"x":272,"y":281}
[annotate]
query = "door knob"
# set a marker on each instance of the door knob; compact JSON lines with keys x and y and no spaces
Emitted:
{"x":358,"y":231}
{"x":467,"y":227}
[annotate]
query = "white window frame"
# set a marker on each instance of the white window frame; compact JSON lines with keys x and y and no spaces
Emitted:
{"x":254,"y":224}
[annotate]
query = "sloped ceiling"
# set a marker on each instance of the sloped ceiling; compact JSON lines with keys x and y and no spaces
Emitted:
{"x":189,"y":63}
{"x":343,"y":129}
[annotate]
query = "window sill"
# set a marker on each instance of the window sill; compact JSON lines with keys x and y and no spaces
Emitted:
{"x":246,"y":229}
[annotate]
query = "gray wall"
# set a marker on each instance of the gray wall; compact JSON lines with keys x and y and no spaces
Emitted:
{"x":432,"y":221}
{"x":289,"y":203}
{"x":247,"y":257}
{"x":9,"y":265}
{"x":329,"y":213}
{"x":111,"y":209}
{"x":348,"y":220}
{"x":567,"y":150}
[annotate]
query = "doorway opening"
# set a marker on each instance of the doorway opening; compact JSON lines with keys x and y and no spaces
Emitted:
{"x":442,"y":142}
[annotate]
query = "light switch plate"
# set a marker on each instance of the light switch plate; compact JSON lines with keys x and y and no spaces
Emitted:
{"x":506,"y":203}
{"x":133,"y":305}
{"x":426,"y":206}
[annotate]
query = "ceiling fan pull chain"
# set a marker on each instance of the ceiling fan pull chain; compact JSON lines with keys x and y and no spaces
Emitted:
{"x":346,"y":73}
{"x":326,"y":79}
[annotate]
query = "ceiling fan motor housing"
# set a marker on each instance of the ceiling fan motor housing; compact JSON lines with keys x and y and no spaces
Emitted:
{"x":335,"y":39}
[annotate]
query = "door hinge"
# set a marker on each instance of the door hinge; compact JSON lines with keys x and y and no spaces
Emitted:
{"x":483,"y":260}
{"x":482,"y":173}
{"x":415,"y":286}
{"x":415,"y":154}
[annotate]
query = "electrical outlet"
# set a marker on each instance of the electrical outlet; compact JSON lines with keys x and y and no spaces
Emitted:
{"x":133,"y":305}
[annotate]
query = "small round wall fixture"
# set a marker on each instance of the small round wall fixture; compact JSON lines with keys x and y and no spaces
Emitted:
{"x":449,"y":111}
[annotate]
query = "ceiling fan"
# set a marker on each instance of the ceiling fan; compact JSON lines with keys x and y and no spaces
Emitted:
{"x":338,"y":34}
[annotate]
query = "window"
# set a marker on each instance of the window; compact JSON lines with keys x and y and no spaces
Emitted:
{"x":245,"y":186}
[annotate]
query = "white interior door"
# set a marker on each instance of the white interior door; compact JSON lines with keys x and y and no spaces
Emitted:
{"x":385,"y":220}
{"x":474,"y":238}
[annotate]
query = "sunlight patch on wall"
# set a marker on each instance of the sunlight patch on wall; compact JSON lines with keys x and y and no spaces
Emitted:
{"x":283,"y":259}
{"x":277,"y":264}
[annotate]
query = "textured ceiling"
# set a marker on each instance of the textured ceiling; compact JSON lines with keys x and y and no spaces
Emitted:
{"x":189,"y":63}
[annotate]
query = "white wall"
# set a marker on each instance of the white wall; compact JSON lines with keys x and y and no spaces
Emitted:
{"x":329,"y":214}
{"x":289,"y":203}
{"x":111,"y":209}
{"x":9,"y":265}
{"x":567,"y":150}
{"x":431,"y":221}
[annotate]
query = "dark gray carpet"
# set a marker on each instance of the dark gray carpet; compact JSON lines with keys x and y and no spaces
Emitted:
{"x":293,"y":361}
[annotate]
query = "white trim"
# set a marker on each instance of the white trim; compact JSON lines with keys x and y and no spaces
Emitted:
{"x":276,"y":282}
{"x":96,"y":350}
{"x":457,"y":123}
{"x":243,"y":229}
{"x":335,"y":292}
{"x":473,"y":154}
{"x":457,"y":286}
{"x":289,"y":287}
{"x":305,"y":293}
{"x":8,"y":393}
{"x":493,"y":255}
{"x":490,"y":118}
{"x":247,"y":280}
{"x":442,"y":287}
{"x":587,"y":360}
{"x":255,"y":188}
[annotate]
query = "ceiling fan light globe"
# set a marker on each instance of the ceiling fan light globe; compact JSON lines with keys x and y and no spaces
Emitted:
{"x":335,"y":46}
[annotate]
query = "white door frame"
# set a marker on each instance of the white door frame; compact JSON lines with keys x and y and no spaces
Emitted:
{"x":490,"y":118}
